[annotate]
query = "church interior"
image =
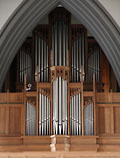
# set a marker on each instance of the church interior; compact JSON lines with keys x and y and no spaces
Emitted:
{"x":60,"y":93}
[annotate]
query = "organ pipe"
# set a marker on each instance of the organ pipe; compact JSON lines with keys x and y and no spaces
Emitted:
{"x":25,"y":63}
{"x":77,"y":55}
{"x":88,"y":119}
{"x":59,"y":43}
{"x":44,"y":113}
{"x":75,"y":114}
{"x":59,"y":106}
{"x":94,"y":64}
{"x":30,"y":119}
{"x":41,"y":54}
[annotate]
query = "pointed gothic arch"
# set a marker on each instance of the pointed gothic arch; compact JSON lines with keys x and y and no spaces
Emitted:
{"x":29,"y":13}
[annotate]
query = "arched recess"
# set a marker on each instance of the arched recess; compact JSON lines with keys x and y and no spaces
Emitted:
{"x":29,"y":13}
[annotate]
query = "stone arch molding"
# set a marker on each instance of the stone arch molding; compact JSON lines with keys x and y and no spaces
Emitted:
{"x":30,"y":12}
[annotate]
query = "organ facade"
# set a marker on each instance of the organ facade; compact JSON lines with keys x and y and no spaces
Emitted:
{"x":60,"y":92}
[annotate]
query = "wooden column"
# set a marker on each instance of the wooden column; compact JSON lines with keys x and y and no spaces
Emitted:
{"x":94,"y":101}
{"x":113,"y":81}
{"x":82,"y":102}
{"x":37,"y":103}
{"x":24,"y":129}
{"x":105,"y":72}
{"x":51,"y":94}
{"x":68,"y":65}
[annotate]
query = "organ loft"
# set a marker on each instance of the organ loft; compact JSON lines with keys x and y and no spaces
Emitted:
{"x":60,"y":93}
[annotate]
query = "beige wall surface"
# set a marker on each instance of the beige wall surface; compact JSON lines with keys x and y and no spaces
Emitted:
{"x":7,"y":7}
{"x":113,"y":8}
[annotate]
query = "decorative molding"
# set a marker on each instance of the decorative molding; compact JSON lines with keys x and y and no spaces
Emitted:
{"x":59,"y":71}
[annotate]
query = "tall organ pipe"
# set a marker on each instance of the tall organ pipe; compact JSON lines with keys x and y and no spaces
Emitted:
{"x":25,"y":64}
{"x":42,"y":55}
{"x":94,"y":65}
{"x":59,"y":106}
{"x":44,"y":114}
{"x":78,"y":57}
{"x":59,"y":43}
{"x":75,"y":115}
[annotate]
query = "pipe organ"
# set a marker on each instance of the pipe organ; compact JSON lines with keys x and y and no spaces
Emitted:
{"x":94,"y":63}
{"x":25,"y":62}
{"x":59,"y":20}
{"x":41,"y":55}
{"x":44,"y":112}
{"x":56,"y":103}
{"x":78,"y":52}
{"x":75,"y":112}
{"x":31,"y":117}
{"x":88,"y":117}
{"x":59,"y":78}
{"x":56,"y":67}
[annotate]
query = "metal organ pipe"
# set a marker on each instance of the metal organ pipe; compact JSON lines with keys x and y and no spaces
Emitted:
{"x":78,"y":56}
{"x":25,"y":64}
{"x":59,"y":106}
{"x":59,"y":43}
{"x":30,"y":119}
{"x":44,"y":113}
{"x":59,"y":48}
{"x":88,"y":119}
{"x":94,"y":65}
{"x":42,"y":55}
{"x":75,"y":115}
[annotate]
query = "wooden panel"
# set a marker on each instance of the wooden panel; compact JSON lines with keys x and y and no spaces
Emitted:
{"x":60,"y":155}
{"x":101,"y":120}
{"x":11,"y":97}
{"x":15,"y":120}
{"x":104,"y":97}
{"x":10,"y":140}
{"x":4,"y":120}
{"x":105,"y":73}
{"x":107,"y":120}
{"x":10,"y":121}
{"x":116,"y":97}
{"x":108,"y":97}
{"x":117,"y":120}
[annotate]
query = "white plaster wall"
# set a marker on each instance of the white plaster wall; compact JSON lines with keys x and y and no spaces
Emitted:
{"x":113,"y":7}
{"x":7,"y":7}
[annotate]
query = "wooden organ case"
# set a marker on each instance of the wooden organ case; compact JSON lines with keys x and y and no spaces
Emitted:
{"x":60,"y":103}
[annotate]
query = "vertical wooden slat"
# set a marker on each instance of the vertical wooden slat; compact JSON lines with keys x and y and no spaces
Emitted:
{"x":112,"y":120}
{"x":68,"y":98}
{"x":82,"y":101}
{"x":105,"y":72}
{"x":22,"y":119}
{"x":7,"y":121}
{"x":51,"y":108}
{"x":68,"y":109}
{"x":94,"y":101}
{"x":24,"y":105}
{"x":51,"y":94}
{"x":37,"y":104}
{"x":68,"y":113}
